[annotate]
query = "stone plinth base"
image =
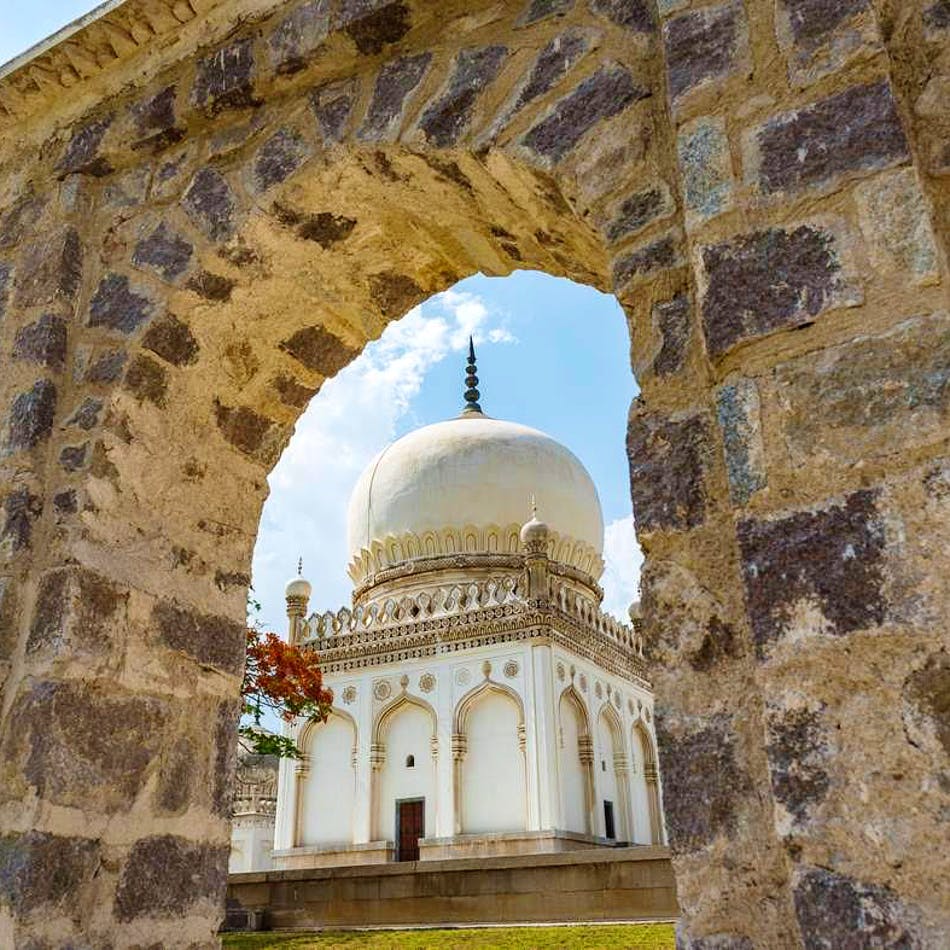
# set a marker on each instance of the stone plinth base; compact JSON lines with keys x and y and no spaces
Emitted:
{"x":504,"y":843}
{"x":314,"y":856}
{"x":634,"y":883}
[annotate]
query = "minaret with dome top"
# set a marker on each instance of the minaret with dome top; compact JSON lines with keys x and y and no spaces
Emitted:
{"x":483,"y":702}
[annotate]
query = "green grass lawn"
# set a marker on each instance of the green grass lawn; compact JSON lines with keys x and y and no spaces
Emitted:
{"x":596,"y":937}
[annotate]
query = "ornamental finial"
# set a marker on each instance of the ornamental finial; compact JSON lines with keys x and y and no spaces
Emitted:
{"x":471,"y":382}
{"x":300,"y":566}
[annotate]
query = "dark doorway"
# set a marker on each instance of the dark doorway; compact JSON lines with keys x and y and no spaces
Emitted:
{"x":609,"y":830}
{"x":410,"y":827}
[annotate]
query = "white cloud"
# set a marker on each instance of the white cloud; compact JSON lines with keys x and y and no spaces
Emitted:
{"x":623,"y":559}
{"x":354,"y":416}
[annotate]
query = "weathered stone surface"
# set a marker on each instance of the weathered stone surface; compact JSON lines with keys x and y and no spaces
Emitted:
{"x":210,"y":203}
{"x":740,"y":420}
{"x":31,"y":416}
{"x":704,"y":45}
{"x":814,"y":572}
{"x":280,"y":156}
{"x":719,"y":941}
{"x":49,"y":270}
{"x":656,"y":256}
{"x":812,"y":20}
{"x":155,"y":122}
{"x":634,"y":15}
{"x":553,"y":63}
{"x":319,"y":350}
{"x":21,"y":508}
{"x":86,"y":417}
{"x":769,"y":280}
{"x":212,"y":286}
{"x":83,"y":743}
{"x":667,"y":471}
{"x":66,"y":502}
{"x":604,"y":94}
{"x":42,"y":342}
{"x":396,"y":80}
{"x":835,"y":910}
{"x":73,"y":457}
{"x":702,"y":765}
{"x":19,"y":219}
{"x":380,"y":27}
{"x":225,"y":756}
{"x":926,"y":703}
{"x":38,"y":869}
{"x":106,"y":368}
{"x":395,"y":294}
{"x":672,"y":319}
{"x":171,"y":339}
{"x":639,"y":210}
{"x":82,"y":152}
{"x":937,"y":15}
{"x":799,"y":752}
{"x":163,"y":251}
{"x":212,"y":641}
{"x":117,"y":306}
{"x":703,"y":150}
{"x":332,"y":105}
{"x":77,"y":611}
{"x":867,"y":397}
{"x":542,"y":9}
{"x":225,"y":79}
{"x":293,"y":393}
{"x":176,"y":778}
{"x":857,"y":130}
{"x":895,"y":221}
{"x":147,"y":380}
{"x":299,"y":35}
{"x":165,"y":876}
{"x":6,"y":279}
{"x":444,"y":121}
{"x":245,"y":429}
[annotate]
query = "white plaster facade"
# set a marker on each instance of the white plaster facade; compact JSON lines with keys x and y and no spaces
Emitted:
{"x":254,"y":807}
{"x":475,"y":671}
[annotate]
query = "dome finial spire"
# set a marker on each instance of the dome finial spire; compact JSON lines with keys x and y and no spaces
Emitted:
{"x":471,"y":382}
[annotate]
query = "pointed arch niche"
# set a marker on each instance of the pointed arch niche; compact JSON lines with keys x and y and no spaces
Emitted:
{"x":575,"y":763}
{"x":647,"y":816}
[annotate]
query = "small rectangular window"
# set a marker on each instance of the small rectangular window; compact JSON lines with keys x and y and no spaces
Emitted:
{"x":609,"y":831}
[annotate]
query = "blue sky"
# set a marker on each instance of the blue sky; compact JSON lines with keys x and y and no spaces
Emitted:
{"x":552,"y":354}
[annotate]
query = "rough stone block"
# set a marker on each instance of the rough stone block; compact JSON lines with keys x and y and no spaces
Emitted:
{"x":319,"y":350}
{"x":854,"y":131}
{"x":926,"y":703}
{"x":705,"y":166}
{"x":299,"y":35}
{"x":835,"y":910}
{"x":21,"y":508}
{"x":209,"y":202}
{"x":770,"y":280}
{"x":38,"y":869}
{"x":704,"y":45}
{"x":604,"y":94}
{"x":248,"y":431}
{"x":395,"y":82}
{"x":147,"y":380}
{"x":116,"y":306}
{"x":106,"y":368}
{"x":895,"y":222}
{"x":814,"y":573}
{"x":86,"y":745}
{"x":86,"y":417}
{"x":869,"y":397}
{"x":659,"y":255}
{"x":444,"y":120}
{"x":636,"y":15}
{"x":19,"y":219}
{"x":212,"y":287}
{"x":77,"y":612}
{"x":155,"y":123}
{"x":163,"y":251}
{"x":6,"y":279}
{"x":542,"y":9}
{"x":225,"y":79}
{"x":211,"y":640}
{"x":378,"y":28}
{"x":73,"y":457}
{"x":553,"y":63}
{"x":171,"y":339}
{"x":31,"y":416}
{"x":706,"y":781}
{"x":292,"y":393}
{"x":279,"y":157}
{"x":668,"y":463}
{"x":672,"y":318}
{"x":799,"y":751}
{"x":49,"y":270}
{"x":395,"y":294}
{"x":741,"y":425}
{"x":82,"y":153}
{"x":718,"y":941}
{"x":225,"y":757}
{"x":639,"y":210}
{"x":332,"y":105}
{"x":42,"y":342}
{"x":165,"y":876}
{"x":937,"y":16}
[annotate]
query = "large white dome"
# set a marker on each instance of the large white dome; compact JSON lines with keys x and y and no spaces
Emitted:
{"x":462,"y":483}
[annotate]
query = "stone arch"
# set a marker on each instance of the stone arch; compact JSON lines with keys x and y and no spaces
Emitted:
{"x":193,"y":241}
{"x":613,"y":768}
{"x":646,"y":783}
{"x":391,"y":708}
{"x":576,"y":762}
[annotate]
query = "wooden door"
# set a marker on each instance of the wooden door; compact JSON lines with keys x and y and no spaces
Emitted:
{"x":410,"y":827}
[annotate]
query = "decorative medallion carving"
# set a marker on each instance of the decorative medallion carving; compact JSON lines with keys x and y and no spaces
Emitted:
{"x":427,"y":682}
{"x":382,"y":690}
{"x":561,"y":673}
{"x":511,"y":669}
{"x":349,"y":695}
{"x":463,"y":677}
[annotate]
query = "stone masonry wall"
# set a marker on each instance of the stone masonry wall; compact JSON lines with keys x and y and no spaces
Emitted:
{"x":234,"y":196}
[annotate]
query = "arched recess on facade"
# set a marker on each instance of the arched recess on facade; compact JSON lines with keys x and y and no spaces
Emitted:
{"x":403,"y":756}
{"x":576,"y":763}
{"x":611,"y":771}
{"x":328,"y":748}
{"x":488,"y":751}
{"x":646,"y":786}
